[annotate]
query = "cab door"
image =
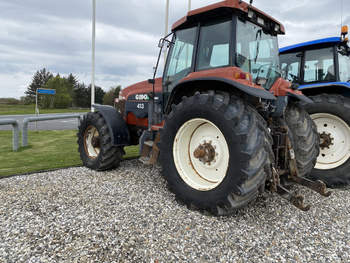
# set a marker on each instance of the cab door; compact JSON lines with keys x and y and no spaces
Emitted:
{"x":180,"y":59}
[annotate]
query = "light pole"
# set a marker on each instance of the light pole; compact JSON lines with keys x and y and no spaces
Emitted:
{"x":166,"y":25}
{"x":93,"y":54}
{"x":187,"y":50}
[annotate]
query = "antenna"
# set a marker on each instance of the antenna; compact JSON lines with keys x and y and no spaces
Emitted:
{"x":341,"y":14}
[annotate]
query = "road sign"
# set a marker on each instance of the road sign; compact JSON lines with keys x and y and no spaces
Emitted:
{"x":46,"y":91}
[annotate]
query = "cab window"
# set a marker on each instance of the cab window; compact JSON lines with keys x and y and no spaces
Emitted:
{"x":181,"y":55}
{"x":213,"y":48}
{"x":179,"y":62}
{"x":257,"y":52}
{"x":344,"y":65}
{"x":319,"y":65}
{"x":290,"y":65}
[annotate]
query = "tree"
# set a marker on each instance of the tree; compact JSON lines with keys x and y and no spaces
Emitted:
{"x":62,"y":99}
{"x":81,"y":96}
{"x":99,"y":93}
{"x":108,"y":98}
{"x":40,"y":78}
{"x":25,"y":100}
{"x":9,"y":101}
{"x":73,"y":82}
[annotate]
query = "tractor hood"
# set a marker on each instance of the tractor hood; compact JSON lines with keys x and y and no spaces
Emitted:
{"x":143,"y":87}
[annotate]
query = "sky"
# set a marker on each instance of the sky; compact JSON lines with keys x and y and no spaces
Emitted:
{"x":57,"y":35}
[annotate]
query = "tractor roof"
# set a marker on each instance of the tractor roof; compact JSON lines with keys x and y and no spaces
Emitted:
{"x":310,"y":44}
{"x":222,"y":8}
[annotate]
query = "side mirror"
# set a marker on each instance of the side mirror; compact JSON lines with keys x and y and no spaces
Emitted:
{"x":161,"y":43}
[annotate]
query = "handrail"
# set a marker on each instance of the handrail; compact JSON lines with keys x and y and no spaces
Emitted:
{"x":15,"y":131}
{"x":42,"y":118}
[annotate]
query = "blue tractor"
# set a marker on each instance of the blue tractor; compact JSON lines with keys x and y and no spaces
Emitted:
{"x":321,"y":68}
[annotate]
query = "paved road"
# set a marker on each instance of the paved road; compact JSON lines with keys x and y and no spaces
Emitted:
{"x":65,"y":124}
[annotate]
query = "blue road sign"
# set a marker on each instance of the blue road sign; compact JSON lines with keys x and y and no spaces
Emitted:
{"x":46,"y":91}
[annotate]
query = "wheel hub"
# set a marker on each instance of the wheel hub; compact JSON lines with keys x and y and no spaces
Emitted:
{"x":326,"y":140}
{"x":205,"y":153}
{"x":95,"y":142}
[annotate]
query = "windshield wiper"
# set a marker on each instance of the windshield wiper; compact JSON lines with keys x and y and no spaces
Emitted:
{"x":258,"y":33}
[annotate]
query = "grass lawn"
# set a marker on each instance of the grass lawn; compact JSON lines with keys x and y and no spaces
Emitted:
{"x":6,"y":109}
{"x":46,"y":150}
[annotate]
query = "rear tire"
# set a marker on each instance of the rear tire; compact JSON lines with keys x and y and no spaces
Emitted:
{"x":305,"y":139}
{"x":95,"y":144}
{"x":242,"y":149}
{"x":331,"y":114}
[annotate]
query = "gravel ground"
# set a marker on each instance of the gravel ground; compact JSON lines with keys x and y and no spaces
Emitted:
{"x":128,"y":215}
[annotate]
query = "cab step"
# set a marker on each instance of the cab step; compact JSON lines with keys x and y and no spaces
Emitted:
{"x":149,"y":143}
{"x":150,"y":151}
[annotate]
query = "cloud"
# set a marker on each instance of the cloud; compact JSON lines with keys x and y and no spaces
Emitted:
{"x":57,"y":35}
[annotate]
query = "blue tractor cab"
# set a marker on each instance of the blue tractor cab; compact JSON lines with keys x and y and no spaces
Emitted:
{"x":321,"y":68}
{"x":319,"y":64}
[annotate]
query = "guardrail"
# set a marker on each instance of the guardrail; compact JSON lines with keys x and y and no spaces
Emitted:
{"x":26,"y":121}
{"x":15,"y":131}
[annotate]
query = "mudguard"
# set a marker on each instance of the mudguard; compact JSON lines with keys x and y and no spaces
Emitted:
{"x":300,"y":97}
{"x":341,"y":88}
{"x":116,"y":124}
{"x":345,"y":85}
{"x":260,"y":93}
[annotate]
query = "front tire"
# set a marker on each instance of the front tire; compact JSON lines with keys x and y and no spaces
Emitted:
{"x":95,"y":144}
{"x":304,"y":137}
{"x":215,"y":152}
{"x":330,"y":112}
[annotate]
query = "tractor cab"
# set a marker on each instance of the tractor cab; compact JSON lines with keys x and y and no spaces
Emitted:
{"x":318,"y":62}
{"x":230,"y":39}
{"x":230,"y":45}
{"x":229,"y":36}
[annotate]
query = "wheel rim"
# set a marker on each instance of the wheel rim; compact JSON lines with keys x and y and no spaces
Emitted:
{"x":92,"y":142}
{"x":201,"y":154}
{"x":334,"y":141}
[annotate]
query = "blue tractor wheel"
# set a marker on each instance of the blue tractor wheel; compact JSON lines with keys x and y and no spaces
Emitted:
{"x":331,"y":114}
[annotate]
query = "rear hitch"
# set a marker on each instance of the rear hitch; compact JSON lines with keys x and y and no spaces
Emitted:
{"x":296,"y":200}
{"x":317,"y":186}
{"x":287,"y":170}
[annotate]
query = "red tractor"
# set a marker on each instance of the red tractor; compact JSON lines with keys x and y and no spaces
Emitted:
{"x":222,"y":121}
